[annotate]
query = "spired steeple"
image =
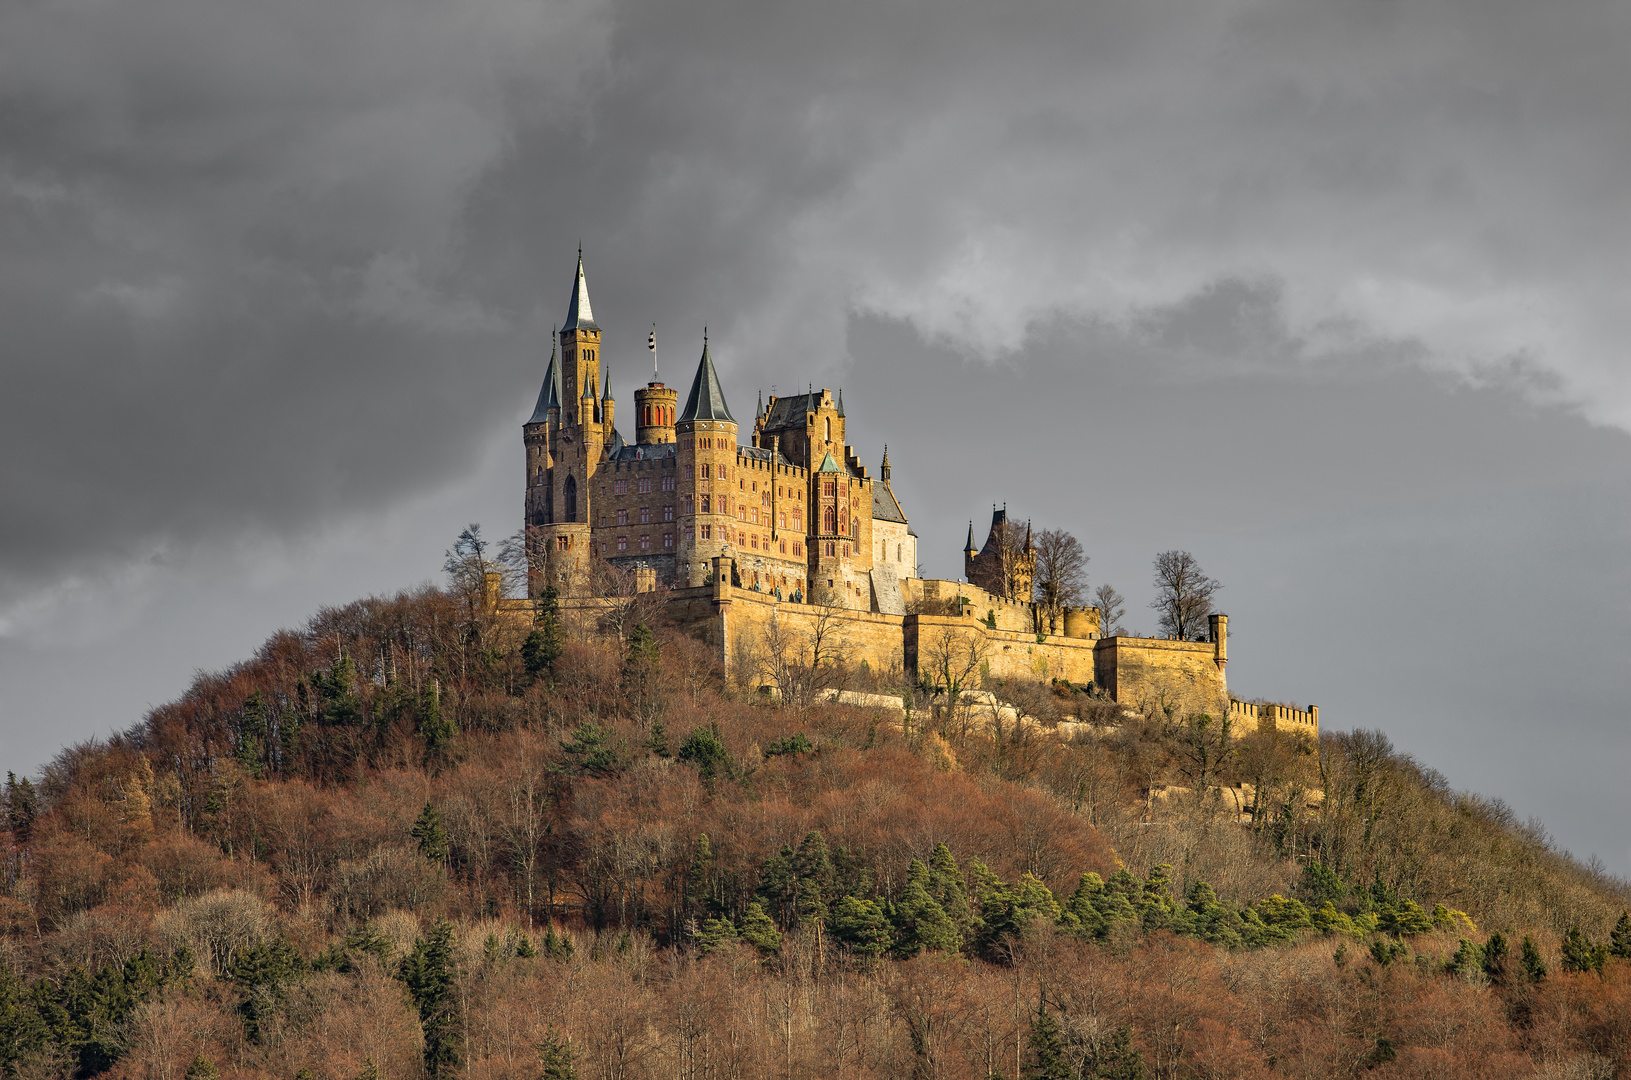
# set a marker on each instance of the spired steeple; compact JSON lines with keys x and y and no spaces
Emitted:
{"x":578,"y":314}
{"x":550,"y":396}
{"x":707,"y":400}
{"x":969,"y":549}
{"x":883,"y":473}
{"x":840,"y":401}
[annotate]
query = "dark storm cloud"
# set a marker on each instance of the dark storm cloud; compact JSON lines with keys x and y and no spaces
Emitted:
{"x":263,"y":266}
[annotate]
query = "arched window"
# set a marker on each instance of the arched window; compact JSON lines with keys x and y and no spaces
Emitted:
{"x":829,"y":429}
{"x":829,"y":520}
{"x":570,"y":493}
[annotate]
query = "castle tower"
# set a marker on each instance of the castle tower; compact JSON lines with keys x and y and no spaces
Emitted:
{"x":580,"y":349}
{"x":606,"y":403}
{"x":706,"y":434}
{"x":970,"y":553}
{"x":655,"y":406}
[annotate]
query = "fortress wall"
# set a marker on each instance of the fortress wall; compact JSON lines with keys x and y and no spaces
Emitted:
{"x":1145,"y":673}
{"x":861,"y":636}
{"x":1007,"y":654}
{"x":1248,"y":717}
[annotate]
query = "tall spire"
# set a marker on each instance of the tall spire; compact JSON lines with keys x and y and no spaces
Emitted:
{"x":550,"y":396}
{"x":969,"y":547}
{"x":883,"y":474}
{"x":707,"y":400}
{"x":840,"y":401}
{"x":608,"y":395}
{"x":759,"y":415}
{"x":578,"y":314}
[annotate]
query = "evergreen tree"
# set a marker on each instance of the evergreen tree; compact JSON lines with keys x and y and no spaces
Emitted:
{"x":428,"y":972}
{"x":1534,"y":968}
{"x":705,"y":749}
{"x":432,"y":837}
{"x":547,"y":641}
{"x":1115,"y":1058}
{"x":1579,"y":954}
{"x":594,"y":750}
{"x":22,"y":806}
{"x":640,"y":673}
{"x":757,"y":929}
{"x":1495,"y":958}
{"x":715,"y":934}
{"x":815,"y":878}
{"x":657,"y":740}
{"x":697,"y":876}
{"x":251,"y":752}
{"x":947,"y":887}
{"x":1619,"y":941}
{"x":922,"y":924}
{"x":432,"y":727}
{"x":1048,"y":1057}
{"x":202,"y":1068}
{"x":556,"y":1057}
{"x":861,"y":927}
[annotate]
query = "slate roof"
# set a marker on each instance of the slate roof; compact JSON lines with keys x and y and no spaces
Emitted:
{"x":578,"y":314}
{"x":885,"y":505}
{"x":618,"y":450}
{"x":789,"y":411}
{"x":550,"y":396}
{"x":763,"y":453}
{"x":707,"y":400}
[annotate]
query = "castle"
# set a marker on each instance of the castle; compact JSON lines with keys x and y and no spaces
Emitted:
{"x":790,"y":532}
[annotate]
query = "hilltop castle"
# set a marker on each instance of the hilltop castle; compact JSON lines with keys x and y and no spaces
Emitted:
{"x":794,"y":510}
{"x":791,"y":531}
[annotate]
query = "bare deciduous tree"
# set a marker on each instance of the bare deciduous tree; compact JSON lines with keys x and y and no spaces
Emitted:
{"x":1112,"y":609}
{"x":1061,"y":575}
{"x":1183,"y":594}
{"x":950,"y":661}
{"x":802,"y":654}
{"x":625,"y":605}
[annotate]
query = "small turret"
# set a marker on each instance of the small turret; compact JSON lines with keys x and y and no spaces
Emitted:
{"x":654,"y":409}
{"x":606,"y":402}
{"x":883,"y":474}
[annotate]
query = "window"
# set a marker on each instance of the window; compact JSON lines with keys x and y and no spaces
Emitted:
{"x":705,"y":472}
{"x":829,"y":429}
{"x":603,"y":521}
{"x":645,"y":515}
{"x":690,"y":534}
{"x":668,"y":513}
{"x":668,"y":541}
{"x":722,"y":474}
{"x":829,"y":519}
{"x":755,"y":540}
{"x":688,"y":472}
{"x":645,"y":543}
{"x":622,"y":543}
{"x":668,"y":482}
{"x":756,"y":485}
{"x":741,"y":512}
{"x":830,"y":552}
{"x":686,"y":505}
{"x":784,"y":547}
{"x":621,"y":487}
{"x":846,"y":551}
{"x":622,"y":517}
{"x":753,"y":514}
{"x":561,"y":542}
{"x":782,"y":520}
{"x":645,"y":484}
{"x":741,"y":484}
{"x":707,"y":532}
{"x":798,"y":518}
{"x":798,"y":548}
{"x":829,"y":488}
{"x":705,"y":502}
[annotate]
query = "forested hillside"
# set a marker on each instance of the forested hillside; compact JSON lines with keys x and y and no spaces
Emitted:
{"x":406,"y":842}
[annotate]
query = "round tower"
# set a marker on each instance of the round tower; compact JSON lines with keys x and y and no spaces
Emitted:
{"x":655,"y":408}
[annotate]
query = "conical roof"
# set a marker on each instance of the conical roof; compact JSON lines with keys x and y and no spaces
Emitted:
{"x":970,"y":545}
{"x":829,"y":465}
{"x":578,"y":314}
{"x":550,"y":396}
{"x":707,"y":400}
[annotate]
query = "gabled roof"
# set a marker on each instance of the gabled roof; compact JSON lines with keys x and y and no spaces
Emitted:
{"x":578,"y":315}
{"x":885,"y":505}
{"x":707,"y":400}
{"x":550,"y":396}
{"x":789,"y":411}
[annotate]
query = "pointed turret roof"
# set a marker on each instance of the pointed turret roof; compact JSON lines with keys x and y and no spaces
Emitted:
{"x":607,"y":396}
{"x":829,"y":465}
{"x":707,"y":400}
{"x":970,"y":545}
{"x":578,"y":314}
{"x":550,"y":396}
{"x":883,"y":470}
{"x":840,"y":401}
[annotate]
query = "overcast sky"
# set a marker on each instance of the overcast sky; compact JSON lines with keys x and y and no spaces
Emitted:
{"x":1335,"y":295}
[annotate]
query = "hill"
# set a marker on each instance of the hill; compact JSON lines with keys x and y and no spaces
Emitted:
{"x":407,"y":841}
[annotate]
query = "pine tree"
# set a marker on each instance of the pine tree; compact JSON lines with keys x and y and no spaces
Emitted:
{"x":815,"y":879}
{"x":556,"y":1057}
{"x":1495,"y":958}
{"x":432,"y":837}
{"x":860,"y":925}
{"x":757,"y":929}
{"x":1534,"y":968}
{"x":202,"y":1068}
{"x":640,"y":673}
{"x":1048,"y":1058}
{"x":1619,"y":942}
{"x":715,"y":934}
{"x":947,"y":888}
{"x":428,"y":972}
{"x":432,"y":727}
{"x":547,"y":641}
{"x":922,"y":924}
